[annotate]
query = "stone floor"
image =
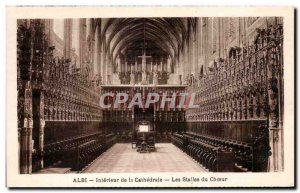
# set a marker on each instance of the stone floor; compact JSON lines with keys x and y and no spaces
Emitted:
{"x":122,"y":158}
{"x":54,"y":170}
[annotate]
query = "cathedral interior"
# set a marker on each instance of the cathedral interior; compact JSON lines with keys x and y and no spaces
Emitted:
{"x":234,"y":65}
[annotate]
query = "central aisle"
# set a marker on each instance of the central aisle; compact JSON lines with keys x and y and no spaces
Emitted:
{"x":122,"y":158}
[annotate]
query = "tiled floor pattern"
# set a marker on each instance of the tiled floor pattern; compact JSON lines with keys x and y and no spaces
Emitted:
{"x":122,"y":158}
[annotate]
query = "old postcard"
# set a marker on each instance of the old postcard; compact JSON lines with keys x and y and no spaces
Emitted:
{"x":114,"y":97}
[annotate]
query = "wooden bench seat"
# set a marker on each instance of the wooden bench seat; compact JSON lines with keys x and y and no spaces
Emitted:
{"x":77,"y":152}
{"x":243,"y":152}
{"x":209,"y":154}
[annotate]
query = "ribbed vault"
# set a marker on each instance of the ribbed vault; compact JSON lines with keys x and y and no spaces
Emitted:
{"x":167,"y":34}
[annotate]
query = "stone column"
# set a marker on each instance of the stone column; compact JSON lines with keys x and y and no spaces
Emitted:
{"x":98,"y":47}
{"x":104,"y":64}
{"x":101,"y":58}
{"x":194,"y":56}
{"x":95,"y":52}
{"x":82,"y":40}
{"x":67,"y":37}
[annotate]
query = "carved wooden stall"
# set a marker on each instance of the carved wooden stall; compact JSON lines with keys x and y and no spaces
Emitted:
{"x":122,"y":120}
{"x":73,"y":118}
{"x":239,"y":101}
{"x":240,"y":98}
{"x":59,"y":117}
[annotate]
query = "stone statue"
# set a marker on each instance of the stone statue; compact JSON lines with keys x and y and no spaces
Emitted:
{"x":132,"y":78}
{"x":144,"y":77}
{"x":155,"y":77}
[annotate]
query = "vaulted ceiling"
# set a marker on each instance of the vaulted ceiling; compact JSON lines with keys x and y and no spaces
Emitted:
{"x":167,"y":35}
